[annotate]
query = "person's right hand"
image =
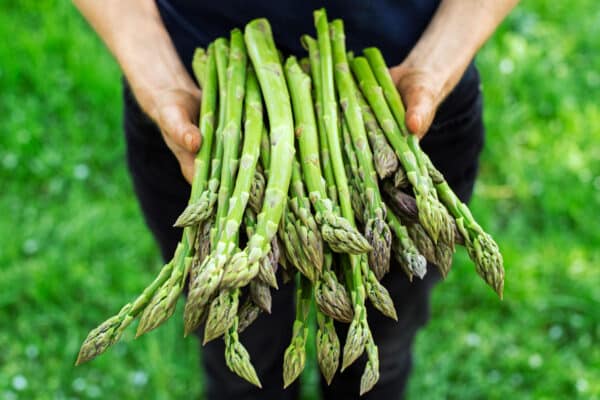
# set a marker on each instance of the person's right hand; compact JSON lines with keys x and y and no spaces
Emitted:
{"x":162,"y":86}
{"x":175,"y":111}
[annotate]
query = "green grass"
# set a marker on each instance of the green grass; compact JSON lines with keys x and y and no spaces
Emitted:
{"x":74,"y":246}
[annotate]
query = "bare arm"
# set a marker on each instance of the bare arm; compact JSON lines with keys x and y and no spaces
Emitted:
{"x":440,"y":57}
{"x":136,"y":36}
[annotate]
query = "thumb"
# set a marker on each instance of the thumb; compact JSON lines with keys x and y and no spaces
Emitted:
{"x":177,"y":123}
{"x":421,"y":105}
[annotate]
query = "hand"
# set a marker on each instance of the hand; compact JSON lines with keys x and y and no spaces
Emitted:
{"x":175,"y":111}
{"x":421,"y":94}
{"x":436,"y":63}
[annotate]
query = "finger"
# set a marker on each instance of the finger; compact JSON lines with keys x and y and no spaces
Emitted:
{"x":177,"y":123}
{"x":420,"y":109}
{"x":184,"y":158}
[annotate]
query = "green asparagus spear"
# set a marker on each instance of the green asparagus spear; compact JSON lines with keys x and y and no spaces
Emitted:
{"x":392,"y":97}
{"x":431,"y":212}
{"x":163,"y":303}
{"x":376,"y":230}
{"x":410,"y":258}
{"x":205,"y":194}
{"x":359,"y":327}
{"x":295,"y":355}
{"x":336,"y":231}
{"x":262,"y":51}
{"x":203,"y":288}
{"x":111,"y":330}
{"x":328,"y":346}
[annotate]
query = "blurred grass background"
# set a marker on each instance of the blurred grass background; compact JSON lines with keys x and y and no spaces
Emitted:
{"x":74,"y":247}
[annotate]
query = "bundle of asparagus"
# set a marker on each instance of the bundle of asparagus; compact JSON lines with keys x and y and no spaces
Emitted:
{"x":323,"y":186}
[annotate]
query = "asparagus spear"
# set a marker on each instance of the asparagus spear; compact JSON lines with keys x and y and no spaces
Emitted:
{"x":247,"y":314}
{"x":294,"y":357}
{"x":203,"y":288}
{"x":376,"y":230}
{"x":328,"y":346}
{"x":359,"y":327}
{"x":331,"y":296}
{"x":315,"y":67}
{"x":205,"y":194}
{"x":295,"y":251}
{"x":392,"y":97}
{"x":262,"y":51}
{"x":222,"y":314}
{"x":163,"y":303}
{"x":370,"y":375}
{"x":409,"y":257}
{"x":384,"y":158}
{"x":167,"y":282}
{"x":306,"y":226}
{"x":431,"y":213}
{"x":336,"y":231}
{"x":268,"y":264}
{"x":481,"y":247}
{"x":110,"y":331}
{"x":237,"y":357}
{"x":257,"y":191}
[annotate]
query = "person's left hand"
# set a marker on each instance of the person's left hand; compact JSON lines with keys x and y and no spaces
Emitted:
{"x":421,"y":94}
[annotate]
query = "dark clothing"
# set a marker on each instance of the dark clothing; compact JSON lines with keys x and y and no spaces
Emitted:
{"x":453,"y":143}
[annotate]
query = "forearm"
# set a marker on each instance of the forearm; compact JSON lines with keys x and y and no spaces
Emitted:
{"x":136,"y":36}
{"x":456,"y":32}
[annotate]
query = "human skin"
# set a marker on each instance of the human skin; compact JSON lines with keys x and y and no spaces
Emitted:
{"x":134,"y":33}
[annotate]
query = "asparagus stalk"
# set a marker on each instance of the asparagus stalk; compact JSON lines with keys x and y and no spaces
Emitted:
{"x":315,"y":68}
{"x":336,"y":231}
{"x":162,"y":293}
{"x":222,"y":314}
{"x":257,"y":191}
{"x":163,"y":303}
{"x":376,"y":230}
{"x":237,"y":357}
{"x":359,"y":327}
{"x":204,"y":193}
{"x":263,"y":53}
{"x":481,"y":247}
{"x":110,"y":331}
{"x":392,"y":97}
{"x":236,"y":73}
{"x":294,"y":357}
{"x":203,"y":288}
{"x":247,"y":314}
{"x":331,"y":296}
{"x":328,"y":346}
{"x":384,"y":157}
{"x":370,"y":375}
{"x":408,"y":255}
{"x":294,"y":248}
{"x":431,"y":213}
{"x":404,"y":206}
{"x":306,"y":226}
